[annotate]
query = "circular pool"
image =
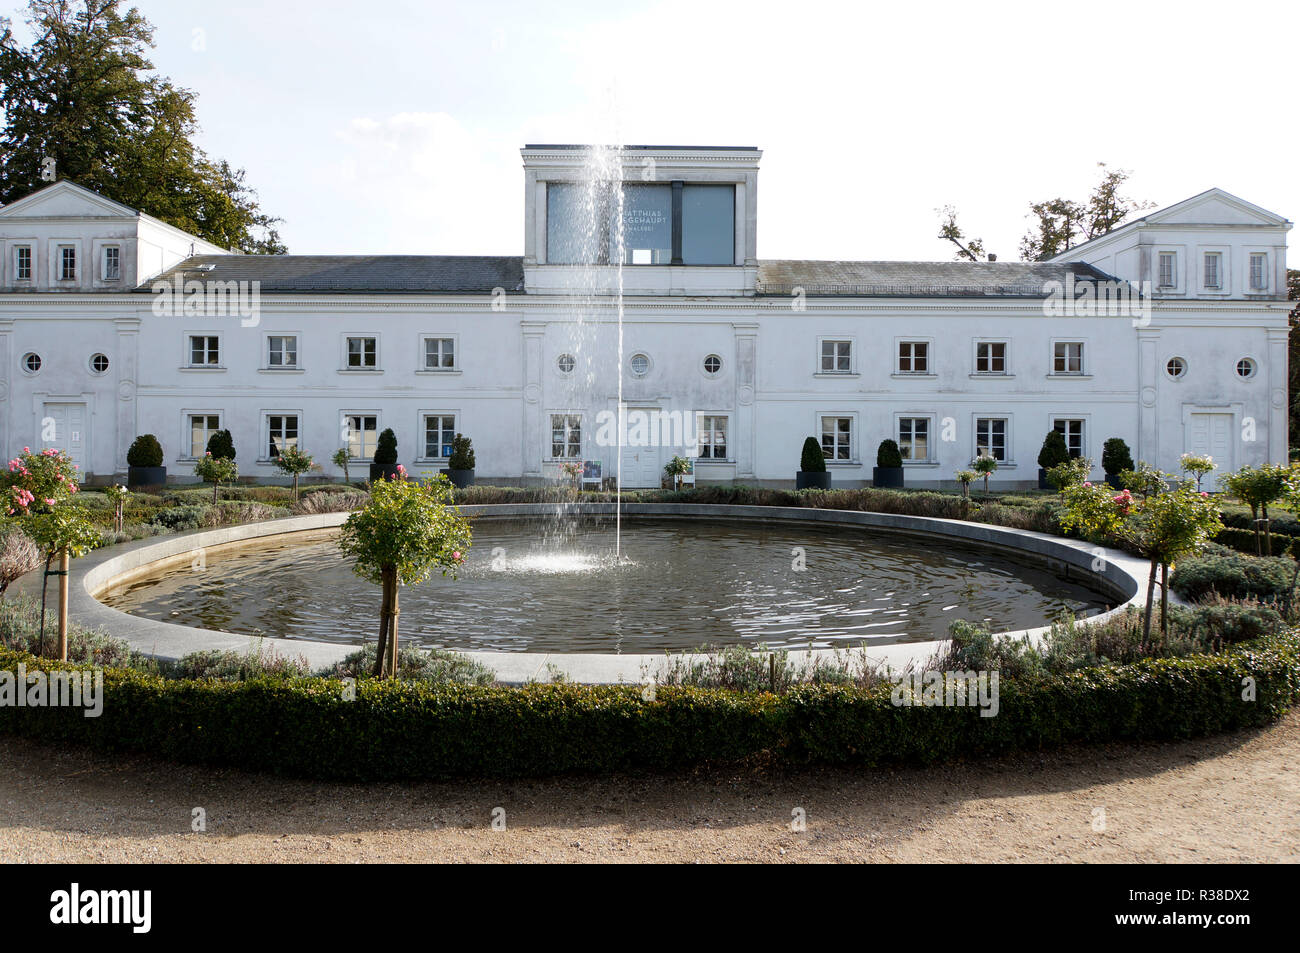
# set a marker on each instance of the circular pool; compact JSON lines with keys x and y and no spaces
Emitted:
{"x":548,"y":586}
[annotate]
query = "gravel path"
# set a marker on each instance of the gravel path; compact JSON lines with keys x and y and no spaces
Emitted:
{"x":1229,"y":798}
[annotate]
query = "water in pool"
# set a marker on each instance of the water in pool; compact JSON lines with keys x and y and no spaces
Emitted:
{"x":527,"y":587}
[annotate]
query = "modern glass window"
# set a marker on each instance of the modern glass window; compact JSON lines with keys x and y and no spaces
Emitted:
{"x":23,"y":263}
{"x":566,"y":436}
{"x":1072,"y":431}
{"x":282,"y":433}
{"x":112,"y":263}
{"x":713,"y":437}
{"x":1168,"y":263}
{"x":282,"y":350}
{"x":709,"y":224}
{"x":362,"y":352}
{"x":439,"y":430}
{"x":837,"y":438}
{"x":439,"y":354}
{"x":31,"y":362}
{"x":67,"y":263}
{"x":837,"y":357}
{"x":914,"y":438}
{"x":991,"y":357}
{"x":205,"y":350}
{"x":363,"y":435}
{"x":1246,"y":368}
{"x":583,"y":225}
{"x":913,"y":357}
{"x":202,"y":427}
{"x":1067,"y":357}
{"x":1258,"y":271}
{"x":991,"y":437}
{"x":1176,"y":367}
{"x":99,"y":363}
{"x":1213,"y":279}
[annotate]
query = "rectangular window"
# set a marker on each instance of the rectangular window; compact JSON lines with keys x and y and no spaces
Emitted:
{"x":439,"y":354}
{"x":362,"y":352}
{"x":363,"y":435}
{"x":282,"y":350}
{"x":1212,"y":277}
{"x":112,"y":263}
{"x":205,"y":350}
{"x":282,"y":433}
{"x":1067,"y":357}
{"x":991,"y":357}
{"x":202,"y":426}
{"x":647,"y":224}
{"x":566,"y":436}
{"x":1072,"y":431}
{"x":439,"y":429}
{"x":914,"y":438}
{"x":1168,"y":260}
{"x":837,"y":438}
{"x":67,"y":263}
{"x":23,"y":263}
{"x":913,"y":357}
{"x":1258,"y":272}
{"x":837,"y":357}
{"x":991,"y":437}
{"x":709,"y":224}
{"x":713,"y":437}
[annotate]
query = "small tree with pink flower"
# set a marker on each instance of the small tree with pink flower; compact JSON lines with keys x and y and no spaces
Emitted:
{"x":216,"y":470}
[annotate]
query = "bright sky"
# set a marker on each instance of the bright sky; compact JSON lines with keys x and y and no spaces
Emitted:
{"x":395,"y":126}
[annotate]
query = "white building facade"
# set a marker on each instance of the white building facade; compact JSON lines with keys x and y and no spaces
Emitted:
{"x":728,"y":359}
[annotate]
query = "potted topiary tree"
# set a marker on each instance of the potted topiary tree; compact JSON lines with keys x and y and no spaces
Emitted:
{"x":460,"y":465}
{"x":812,"y":473}
{"x":145,"y":462}
{"x":384,"y":466}
{"x":1052,"y":455}
{"x":221,"y":445}
{"x":888,"y":470}
{"x":1115,"y":460}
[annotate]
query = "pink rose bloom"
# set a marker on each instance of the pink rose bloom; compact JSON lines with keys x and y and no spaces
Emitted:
{"x":1087,"y":484}
{"x":49,"y":501}
{"x":27,"y":449}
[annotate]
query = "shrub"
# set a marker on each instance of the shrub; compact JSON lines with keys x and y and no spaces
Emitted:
{"x":229,"y":512}
{"x":1054,"y":452}
{"x":334,"y":502}
{"x":20,"y":631}
{"x":181,"y":518}
{"x":231,"y":666}
{"x":462,"y":453}
{"x":888,"y":455}
{"x":221,"y":445}
{"x":392,"y":729}
{"x":145,"y":451}
{"x":19,"y":555}
{"x":431,"y":667}
{"x":216,"y":470}
{"x":1072,"y":472}
{"x":1115,"y":457}
{"x":386,"y":448}
{"x":1218,"y":571}
{"x":1245,"y":541}
{"x":811,"y":459}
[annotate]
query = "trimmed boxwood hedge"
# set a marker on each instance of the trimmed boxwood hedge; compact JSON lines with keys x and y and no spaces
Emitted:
{"x":394,"y":730}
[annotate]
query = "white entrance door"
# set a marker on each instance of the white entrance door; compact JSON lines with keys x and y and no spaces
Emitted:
{"x":63,"y":426}
{"x":1212,"y":434}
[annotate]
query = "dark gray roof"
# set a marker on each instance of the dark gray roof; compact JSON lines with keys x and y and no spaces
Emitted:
{"x":358,"y":274}
{"x":926,"y":279}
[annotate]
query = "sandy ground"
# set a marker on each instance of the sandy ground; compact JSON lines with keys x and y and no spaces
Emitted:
{"x":1229,"y":798}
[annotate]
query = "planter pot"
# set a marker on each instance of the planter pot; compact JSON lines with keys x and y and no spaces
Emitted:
{"x":1042,"y":480}
{"x":1113,"y":480}
{"x":460,"y":478}
{"x":890,"y":477}
{"x":383,"y":471}
{"x":812,"y":480}
{"x":146,"y":476}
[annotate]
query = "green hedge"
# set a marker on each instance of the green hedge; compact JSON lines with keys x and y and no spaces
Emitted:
{"x":1217,"y":571}
{"x":394,"y":730}
{"x":1243,"y":540}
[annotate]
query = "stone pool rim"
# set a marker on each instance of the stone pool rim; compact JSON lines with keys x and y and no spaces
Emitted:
{"x":1121,"y":575}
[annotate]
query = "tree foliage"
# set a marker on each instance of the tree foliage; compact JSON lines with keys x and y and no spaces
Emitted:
{"x":84,"y":94}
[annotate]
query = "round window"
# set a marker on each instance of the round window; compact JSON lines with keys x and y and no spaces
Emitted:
{"x":712,"y":364}
{"x":566,"y":363}
{"x":32,"y":362}
{"x":99,"y":363}
{"x":1246,"y":367}
{"x":640,"y":364}
{"x":1176,"y":367}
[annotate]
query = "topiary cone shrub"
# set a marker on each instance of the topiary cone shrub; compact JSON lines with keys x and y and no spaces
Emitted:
{"x":144,"y":462}
{"x":888,"y":471}
{"x":1054,"y":452}
{"x":462,"y":453}
{"x":1115,"y":459}
{"x":888,"y":454}
{"x":222,"y":445}
{"x":384,"y":465}
{"x":812,"y":473}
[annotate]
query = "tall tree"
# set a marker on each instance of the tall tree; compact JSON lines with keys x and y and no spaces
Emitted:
{"x":1062,"y":223}
{"x":84,"y":94}
{"x":968,"y":249}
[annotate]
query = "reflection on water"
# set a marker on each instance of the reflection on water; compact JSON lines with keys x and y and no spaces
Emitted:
{"x":679,"y":585}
